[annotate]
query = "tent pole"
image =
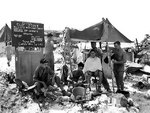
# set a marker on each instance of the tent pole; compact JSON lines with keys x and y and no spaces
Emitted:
{"x":69,"y":47}
{"x":108,"y":55}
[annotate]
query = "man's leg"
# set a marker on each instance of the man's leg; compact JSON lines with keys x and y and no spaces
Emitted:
{"x":38,"y":87}
{"x":105,"y":83}
{"x":64,"y":79}
{"x":120,"y":80}
{"x":98,"y":73}
{"x":116,"y":73}
{"x":59,"y":84}
{"x":51,"y":63}
{"x":88,"y":75}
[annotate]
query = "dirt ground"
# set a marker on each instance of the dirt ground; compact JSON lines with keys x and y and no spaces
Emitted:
{"x":144,"y":104}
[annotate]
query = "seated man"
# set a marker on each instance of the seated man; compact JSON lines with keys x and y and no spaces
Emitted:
{"x":93,"y":67}
{"x":99,"y":54}
{"x":44,"y":78}
{"x":64,"y":75}
{"x":77,"y":74}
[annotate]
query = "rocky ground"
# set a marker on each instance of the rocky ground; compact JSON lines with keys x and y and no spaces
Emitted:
{"x":12,"y":101}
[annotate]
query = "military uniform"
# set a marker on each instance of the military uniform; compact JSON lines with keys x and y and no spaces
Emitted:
{"x":118,"y":67}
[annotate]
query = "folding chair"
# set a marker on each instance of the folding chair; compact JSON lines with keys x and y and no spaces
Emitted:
{"x":95,"y":81}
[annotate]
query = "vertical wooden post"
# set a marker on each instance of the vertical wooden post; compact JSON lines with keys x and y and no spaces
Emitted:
{"x":16,"y":60}
{"x":69,"y":47}
{"x":137,"y":44}
{"x":64,"y":48}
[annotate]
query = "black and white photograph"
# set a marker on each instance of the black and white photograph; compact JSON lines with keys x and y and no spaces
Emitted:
{"x":75,"y":56}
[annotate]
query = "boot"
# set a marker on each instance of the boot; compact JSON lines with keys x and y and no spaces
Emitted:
{"x":109,"y":91}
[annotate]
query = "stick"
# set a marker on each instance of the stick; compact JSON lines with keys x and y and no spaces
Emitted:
{"x":111,"y":68}
{"x":137,"y":44}
{"x":112,"y":73}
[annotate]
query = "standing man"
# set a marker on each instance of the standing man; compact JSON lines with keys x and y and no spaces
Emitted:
{"x":119,"y":59}
{"x":100,"y":54}
{"x":8,"y":50}
{"x":48,"y":52}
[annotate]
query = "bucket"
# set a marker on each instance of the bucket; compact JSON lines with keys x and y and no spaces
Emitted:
{"x":79,"y":92}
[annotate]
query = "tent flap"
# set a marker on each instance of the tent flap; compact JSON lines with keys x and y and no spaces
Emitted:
{"x":92,"y":33}
{"x":98,"y":32}
{"x":5,"y":34}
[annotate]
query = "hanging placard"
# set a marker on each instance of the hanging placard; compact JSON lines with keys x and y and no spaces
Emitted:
{"x":27,"y":34}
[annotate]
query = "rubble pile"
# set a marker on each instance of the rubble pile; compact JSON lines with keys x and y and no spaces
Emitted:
{"x":10,"y":99}
{"x":13,"y":101}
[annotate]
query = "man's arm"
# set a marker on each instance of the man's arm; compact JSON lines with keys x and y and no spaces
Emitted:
{"x":51,"y":72}
{"x":100,"y":53}
{"x":124,"y":59}
{"x":51,"y":75}
{"x":36,"y":80}
{"x":35,"y":76}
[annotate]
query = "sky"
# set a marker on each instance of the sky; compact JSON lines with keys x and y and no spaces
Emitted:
{"x":130,"y":17}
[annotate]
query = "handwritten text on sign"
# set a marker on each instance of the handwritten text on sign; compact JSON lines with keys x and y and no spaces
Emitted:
{"x":27,"y":34}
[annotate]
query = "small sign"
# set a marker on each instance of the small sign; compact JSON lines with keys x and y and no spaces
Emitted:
{"x":27,"y":34}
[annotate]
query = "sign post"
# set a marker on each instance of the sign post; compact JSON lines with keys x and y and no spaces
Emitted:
{"x":27,"y":35}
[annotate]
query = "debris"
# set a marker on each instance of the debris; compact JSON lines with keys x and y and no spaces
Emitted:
{"x":147,"y":95}
{"x":124,"y":101}
{"x":130,"y":102}
{"x":62,"y":99}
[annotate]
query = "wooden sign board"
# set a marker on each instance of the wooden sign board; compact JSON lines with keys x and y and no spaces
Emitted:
{"x":27,"y":34}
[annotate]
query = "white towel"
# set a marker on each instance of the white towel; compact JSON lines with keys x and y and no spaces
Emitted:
{"x":92,"y":64}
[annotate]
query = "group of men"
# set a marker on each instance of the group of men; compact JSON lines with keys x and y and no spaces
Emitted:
{"x":44,"y":75}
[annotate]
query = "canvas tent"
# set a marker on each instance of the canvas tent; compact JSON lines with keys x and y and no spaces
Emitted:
{"x":99,"y":32}
{"x":5,"y":34}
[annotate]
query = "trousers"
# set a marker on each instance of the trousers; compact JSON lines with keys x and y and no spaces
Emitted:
{"x":105,"y":83}
{"x":57,"y":81}
{"x":119,"y":79}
